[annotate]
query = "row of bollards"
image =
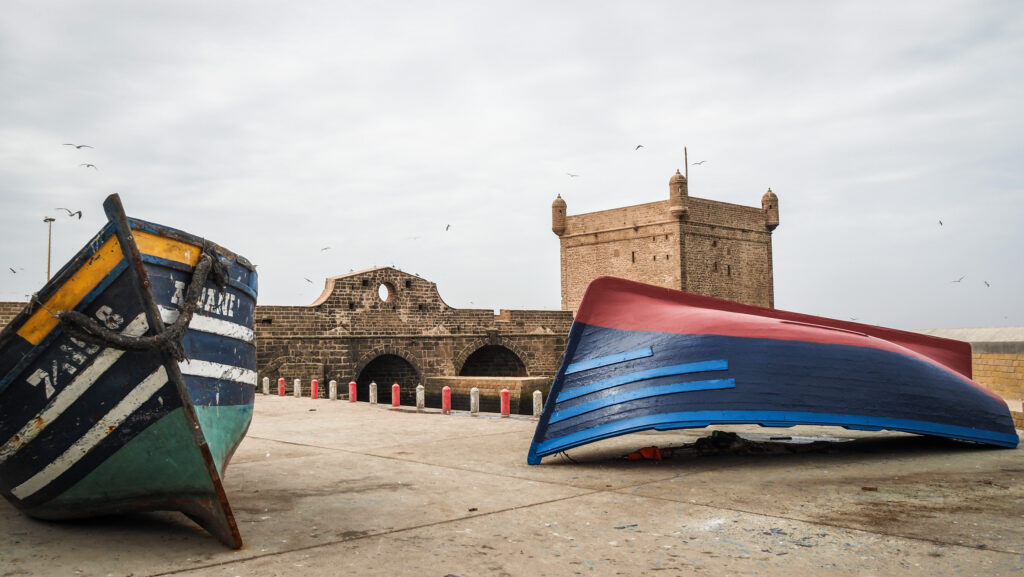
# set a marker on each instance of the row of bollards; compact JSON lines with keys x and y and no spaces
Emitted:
{"x":396,"y":397}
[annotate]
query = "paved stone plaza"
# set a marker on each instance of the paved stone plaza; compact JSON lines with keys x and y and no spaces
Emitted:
{"x":323,"y":488}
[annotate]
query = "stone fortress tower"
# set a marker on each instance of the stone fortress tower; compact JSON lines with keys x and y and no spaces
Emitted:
{"x":693,"y":244}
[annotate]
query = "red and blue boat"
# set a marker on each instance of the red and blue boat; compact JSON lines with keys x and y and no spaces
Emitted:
{"x":641,"y":357}
{"x":128,"y":380}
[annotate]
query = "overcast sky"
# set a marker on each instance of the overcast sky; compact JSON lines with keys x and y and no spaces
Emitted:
{"x":279,"y":128}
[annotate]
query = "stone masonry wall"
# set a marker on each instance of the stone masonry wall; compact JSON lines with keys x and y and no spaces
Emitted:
{"x":9,"y":310}
{"x":350,"y":326}
{"x":1000,"y":368}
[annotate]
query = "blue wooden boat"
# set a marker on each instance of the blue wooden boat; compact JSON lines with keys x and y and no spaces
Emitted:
{"x":641,"y":357}
{"x":128,"y":381}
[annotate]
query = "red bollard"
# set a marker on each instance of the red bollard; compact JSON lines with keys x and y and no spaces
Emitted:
{"x":396,"y":395}
{"x":352,"y":391}
{"x":314,"y":389}
{"x":280,"y":386}
{"x":446,"y":400}
{"x":506,"y":403}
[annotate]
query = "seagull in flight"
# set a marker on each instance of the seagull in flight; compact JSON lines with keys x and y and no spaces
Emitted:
{"x":638,"y":147}
{"x":77,"y":212}
{"x":325,"y":248}
{"x":88,"y":165}
{"x":447,"y":226}
{"x":571,"y":175}
{"x":307,"y":280}
{"x":986,"y":283}
{"x":940,"y":223}
{"x":701,"y":162}
{"x":959,"y":279}
{"x":78,"y":146}
{"x":12,"y":270}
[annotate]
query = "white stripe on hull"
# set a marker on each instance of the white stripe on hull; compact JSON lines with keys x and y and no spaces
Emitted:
{"x":211,"y":325}
{"x":217,"y":371}
{"x":67,"y":397}
{"x":113,"y":419}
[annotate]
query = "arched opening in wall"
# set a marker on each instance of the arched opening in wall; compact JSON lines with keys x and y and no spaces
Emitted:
{"x":387,"y":370}
{"x":493,"y":361}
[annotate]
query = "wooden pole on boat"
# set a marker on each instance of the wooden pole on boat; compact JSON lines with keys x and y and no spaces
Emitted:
{"x":216,"y":517}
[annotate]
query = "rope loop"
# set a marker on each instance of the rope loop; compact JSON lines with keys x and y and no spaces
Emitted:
{"x":85,"y":328}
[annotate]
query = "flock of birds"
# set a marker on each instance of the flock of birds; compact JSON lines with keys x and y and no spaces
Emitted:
{"x":80,"y":147}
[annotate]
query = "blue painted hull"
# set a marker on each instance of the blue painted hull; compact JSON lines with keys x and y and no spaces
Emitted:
{"x":71,"y":409}
{"x":619,"y":380}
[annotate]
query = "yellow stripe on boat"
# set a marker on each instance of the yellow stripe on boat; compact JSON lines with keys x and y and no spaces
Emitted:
{"x":166,"y":248}
{"x":95,"y":270}
{"x":70,"y":293}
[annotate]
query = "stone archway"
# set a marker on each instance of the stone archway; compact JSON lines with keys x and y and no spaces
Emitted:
{"x":386,"y":369}
{"x":511,"y":358}
{"x":493,"y":361}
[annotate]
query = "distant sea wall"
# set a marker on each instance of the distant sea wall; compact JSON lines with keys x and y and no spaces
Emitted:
{"x":8,"y":311}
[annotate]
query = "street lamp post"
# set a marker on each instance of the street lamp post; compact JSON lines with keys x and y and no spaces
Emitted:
{"x":49,"y":243}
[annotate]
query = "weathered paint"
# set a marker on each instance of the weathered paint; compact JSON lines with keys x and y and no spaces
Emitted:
{"x":70,"y":293}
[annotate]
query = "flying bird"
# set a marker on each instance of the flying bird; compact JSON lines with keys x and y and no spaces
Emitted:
{"x":88,"y":165}
{"x":307,"y":280}
{"x":13,"y":271}
{"x":77,"y":212}
{"x":638,"y":147}
{"x":986,"y":283}
{"x":571,"y":175}
{"x":325,"y":248}
{"x":447,"y":226}
{"x":78,"y":146}
{"x":959,"y":279}
{"x":701,"y":162}
{"x":940,"y":223}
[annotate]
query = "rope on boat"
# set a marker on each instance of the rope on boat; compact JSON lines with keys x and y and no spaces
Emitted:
{"x":85,"y":328}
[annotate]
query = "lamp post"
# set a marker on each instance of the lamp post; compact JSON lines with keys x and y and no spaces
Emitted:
{"x":49,"y":243}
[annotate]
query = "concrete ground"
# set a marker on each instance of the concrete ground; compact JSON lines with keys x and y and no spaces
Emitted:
{"x":323,"y":488}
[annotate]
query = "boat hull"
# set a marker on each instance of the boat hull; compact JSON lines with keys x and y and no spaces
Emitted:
{"x":89,"y":428}
{"x":642,"y":357}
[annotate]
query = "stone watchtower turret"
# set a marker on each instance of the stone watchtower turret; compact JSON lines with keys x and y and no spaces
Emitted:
{"x":558,"y":216}
{"x":678,"y":194}
{"x":770,"y":206}
{"x":686,"y":243}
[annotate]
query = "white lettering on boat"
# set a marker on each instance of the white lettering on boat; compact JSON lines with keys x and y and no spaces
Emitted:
{"x":210,"y":300}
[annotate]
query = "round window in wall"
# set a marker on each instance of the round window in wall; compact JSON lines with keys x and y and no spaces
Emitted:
{"x":384,"y":291}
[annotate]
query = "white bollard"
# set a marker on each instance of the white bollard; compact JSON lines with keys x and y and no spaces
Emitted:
{"x":266,"y":385}
{"x":538,"y":403}
{"x":373,"y":393}
{"x":332,"y":390}
{"x":298,"y":388}
{"x":474,"y":401}
{"x":421,"y":398}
